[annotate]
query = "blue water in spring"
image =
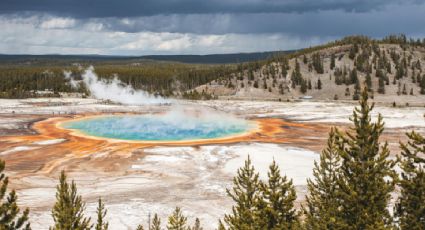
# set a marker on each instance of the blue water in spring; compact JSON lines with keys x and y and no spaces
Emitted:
{"x":158,"y":127}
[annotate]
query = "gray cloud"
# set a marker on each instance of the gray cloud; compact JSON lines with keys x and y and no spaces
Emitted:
{"x":130,"y":27}
{"x":135,"y":8}
{"x":406,"y":19}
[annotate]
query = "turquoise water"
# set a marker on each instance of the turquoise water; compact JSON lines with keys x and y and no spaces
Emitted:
{"x":158,"y":127}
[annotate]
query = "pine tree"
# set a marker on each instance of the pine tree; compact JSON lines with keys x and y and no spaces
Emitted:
{"x":177,"y":221}
{"x":323,"y":203}
{"x":381,"y":86}
{"x":422,"y":85}
{"x":68,"y":210}
{"x":9,"y":210}
{"x":368,"y":81}
{"x":353,"y":77}
{"x":246,"y":194}
{"x":277,"y":204}
{"x":367,"y":177}
{"x":319,"y":84}
{"x":221,"y":225}
{"x":303,"y":87}
{"x":140,"y":227}
{"x":156,"y":223}
{"x":101,"y":212}
{"x":410,"y":207}
{"x":332,"y":65}
{"x":197,"y":225}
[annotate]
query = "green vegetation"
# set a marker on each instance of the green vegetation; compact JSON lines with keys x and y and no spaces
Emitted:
{"x":10,"y":219}
{"x":44,"y":77}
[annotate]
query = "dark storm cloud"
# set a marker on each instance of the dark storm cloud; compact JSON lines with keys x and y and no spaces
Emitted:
{"x":135,"y":8}
{"x":406,"y":19}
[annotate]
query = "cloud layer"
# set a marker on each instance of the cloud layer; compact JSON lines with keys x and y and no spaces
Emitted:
{"x":133,"y":8}
{"x":131,"y":27}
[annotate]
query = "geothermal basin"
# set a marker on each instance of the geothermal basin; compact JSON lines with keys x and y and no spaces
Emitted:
{"x":150,"y":171}
{"x":160,"y":127}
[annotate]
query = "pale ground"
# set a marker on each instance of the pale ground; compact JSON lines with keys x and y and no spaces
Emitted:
{"x":160,"y":178}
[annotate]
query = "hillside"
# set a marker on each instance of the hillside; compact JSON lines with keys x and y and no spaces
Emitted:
{"x":393,"y":70}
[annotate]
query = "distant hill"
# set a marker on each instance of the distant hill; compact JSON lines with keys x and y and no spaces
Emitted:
{"x":193,"y":59}
{"x":392,"y":69}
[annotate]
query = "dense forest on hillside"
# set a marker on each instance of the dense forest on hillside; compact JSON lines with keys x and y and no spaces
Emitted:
{"x":393,"y":65}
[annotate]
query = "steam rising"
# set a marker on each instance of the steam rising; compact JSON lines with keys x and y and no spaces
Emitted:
{"x":181,"y":123}
{"x":114,"y":90}
{"x":178,"y":123}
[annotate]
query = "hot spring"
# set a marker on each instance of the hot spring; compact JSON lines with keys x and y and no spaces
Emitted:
{"x":161,"y":127}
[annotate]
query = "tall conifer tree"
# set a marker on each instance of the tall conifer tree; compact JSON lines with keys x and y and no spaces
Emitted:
{"x":322,"y":203}
{"x":367,"y":174}
{"x":156,"y":223}
{"x":177,"y":221}
{"x":410,"y":208}
{"x":246,"y":194}
{"x":101,"y":212}
{"x":277,"y":204}
{"x":68,"y":210}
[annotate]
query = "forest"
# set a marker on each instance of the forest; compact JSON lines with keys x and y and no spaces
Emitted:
{"x":27,"y":78}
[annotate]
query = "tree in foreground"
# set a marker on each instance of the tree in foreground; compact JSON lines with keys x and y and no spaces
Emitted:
{"x":197,"y":225}
{"x":246,"y":194}
{"x":322,"y":202}
{"x":9,"y":210}
{"x":101,"y":212}
{"x":410,"y":207}
{"x":68,"y":210}
{"x":156,"y":223}
{"x":177,"y":221}
{"x":276,"y":206}
{"x":367,"y":175}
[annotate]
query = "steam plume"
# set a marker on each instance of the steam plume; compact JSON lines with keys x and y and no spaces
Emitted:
{"x":115,"y":90}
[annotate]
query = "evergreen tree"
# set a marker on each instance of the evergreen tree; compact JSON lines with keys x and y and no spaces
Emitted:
{"x":422,"y":85}
{"x":303,"y":87}
{"x":322,"y":211}
{"x":156,"y":223}
{"x":101,"y":224}
{"x":68,"y":210}
{"x":277,"y":204}
{"x":367,"y":177}
{"x":332,"y":65}
{"x":220,"y":225}
{"x":9,"y":210}
{"x":177,"y":221}
{"x":368,"y":81}
{"x":381,"y":86}
{"x":404,"y":92}
{"x":246,"y":194}
{"x":140,"y":227}
{"x":410,"y":208}
{"x":319,"y":84}
{"x":197,"y":225}
{"x":353,"y":77}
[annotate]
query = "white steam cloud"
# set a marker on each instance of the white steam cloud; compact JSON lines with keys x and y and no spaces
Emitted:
{"x":115,"y":90}
{"x":67,"y":74}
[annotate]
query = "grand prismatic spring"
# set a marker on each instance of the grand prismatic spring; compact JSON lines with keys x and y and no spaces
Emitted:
{"x":158,"y":127}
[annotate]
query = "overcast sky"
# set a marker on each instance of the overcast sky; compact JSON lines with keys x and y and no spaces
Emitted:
{"x":140,"y":27}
